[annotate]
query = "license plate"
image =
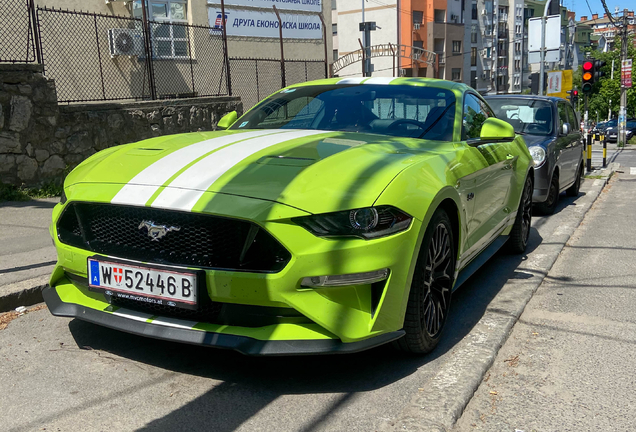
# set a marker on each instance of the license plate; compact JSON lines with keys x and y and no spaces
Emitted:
{"x":146,"y":284}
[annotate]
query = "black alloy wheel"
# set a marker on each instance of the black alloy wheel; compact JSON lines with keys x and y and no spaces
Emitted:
{"x":430,"y":295}
{"x":520,"y":232}
{"x":549,"y":206}
{"x":576,"y":187}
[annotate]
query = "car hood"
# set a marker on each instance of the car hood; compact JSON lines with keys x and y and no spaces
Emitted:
{"x":315,"y":171}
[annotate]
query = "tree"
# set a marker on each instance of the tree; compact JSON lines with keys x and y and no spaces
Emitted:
{"x":610,"y":89}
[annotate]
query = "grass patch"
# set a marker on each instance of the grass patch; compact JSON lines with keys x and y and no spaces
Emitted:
{"x":594,"y":176}
{"x":15,"y":193}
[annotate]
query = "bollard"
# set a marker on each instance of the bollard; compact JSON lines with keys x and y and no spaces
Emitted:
{"x":589,"y":152}
{"x":604,"y":150}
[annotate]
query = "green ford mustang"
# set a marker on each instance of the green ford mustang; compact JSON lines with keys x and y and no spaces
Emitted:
{"x":334,"y":216}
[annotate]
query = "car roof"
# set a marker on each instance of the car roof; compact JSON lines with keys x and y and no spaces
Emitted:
{"x":412,"y":81}
{"x":520,"y":96}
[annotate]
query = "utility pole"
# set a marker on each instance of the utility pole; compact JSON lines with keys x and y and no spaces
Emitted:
{"x":622,"y":114}
{"x":542,"y":67}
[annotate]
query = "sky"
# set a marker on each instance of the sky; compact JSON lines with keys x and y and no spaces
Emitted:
{"x":581,"y":9}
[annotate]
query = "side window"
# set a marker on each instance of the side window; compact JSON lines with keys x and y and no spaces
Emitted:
{"x":563,"y":115}
{"x":474,"y":117}
{"x":574,"y":122}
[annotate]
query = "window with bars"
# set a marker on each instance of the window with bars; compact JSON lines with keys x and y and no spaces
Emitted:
{"x":418,"y":16}
{"x":169,"y":37}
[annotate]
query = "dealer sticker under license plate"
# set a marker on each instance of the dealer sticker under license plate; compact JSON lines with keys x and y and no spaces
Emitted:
{"x":150,"y":285}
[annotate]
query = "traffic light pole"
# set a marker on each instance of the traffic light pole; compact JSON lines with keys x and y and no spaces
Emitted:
{"x":622,"y":114}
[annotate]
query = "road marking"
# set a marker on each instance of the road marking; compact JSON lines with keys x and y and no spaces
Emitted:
{"x":141,"y":188}
{"x":184,"y":191}
{"x":632,"y":170}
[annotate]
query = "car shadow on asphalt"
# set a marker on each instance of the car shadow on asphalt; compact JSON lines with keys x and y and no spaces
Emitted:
{"x":251,"y":383}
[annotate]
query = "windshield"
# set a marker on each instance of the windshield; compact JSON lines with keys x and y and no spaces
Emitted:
{"x":526,"y":115}
{"x":395,"y":110}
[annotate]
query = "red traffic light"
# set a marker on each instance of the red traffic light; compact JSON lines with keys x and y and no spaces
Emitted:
{"x":588,"y":65}
{"x":575,"y":92}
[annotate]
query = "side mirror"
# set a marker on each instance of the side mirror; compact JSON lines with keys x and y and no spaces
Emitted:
{"x":495,"y":129}
{"x":566,"y":129}
{"x":227,"y":120}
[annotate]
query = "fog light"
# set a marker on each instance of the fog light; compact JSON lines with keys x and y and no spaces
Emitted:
{"x":346,"y":279}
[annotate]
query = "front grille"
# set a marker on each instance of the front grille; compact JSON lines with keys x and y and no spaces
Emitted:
{"x":203,"y":241}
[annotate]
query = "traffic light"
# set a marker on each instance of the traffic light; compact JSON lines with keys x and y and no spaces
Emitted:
{"x":598,"y":73}
{"x":588,"y":76}
{"x":574,"y":96}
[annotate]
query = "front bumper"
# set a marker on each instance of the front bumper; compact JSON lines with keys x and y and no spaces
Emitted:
{"x":338,"y":319}
{"x":243,"y":344}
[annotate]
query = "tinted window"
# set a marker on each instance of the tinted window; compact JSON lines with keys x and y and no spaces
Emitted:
{"x":563,"y":115}
{"x":396,"y":110}
{"x":475,"y":115}
{"x":526,"y":115}
{"x":574,"y":122}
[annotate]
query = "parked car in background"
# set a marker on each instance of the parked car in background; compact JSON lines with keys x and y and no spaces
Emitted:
{"x":549,"y":126}
{"x":611,"y":133}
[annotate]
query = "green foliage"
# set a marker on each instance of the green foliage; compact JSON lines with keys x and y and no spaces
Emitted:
{"x":15,"y":193}
{"x":609,"y":89}
{"x":632,"y":140}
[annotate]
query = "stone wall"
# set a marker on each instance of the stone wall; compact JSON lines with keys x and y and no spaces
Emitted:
{"x":40,"y":140}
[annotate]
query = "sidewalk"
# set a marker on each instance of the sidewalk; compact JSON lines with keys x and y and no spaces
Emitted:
{"x":27,"y":254}
{"x":568,"y":363}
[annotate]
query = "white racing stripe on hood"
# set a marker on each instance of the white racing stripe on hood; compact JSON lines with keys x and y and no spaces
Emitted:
{"x":139,"y":190}
{"x":184,"y":191}
{"x":379,"y":80}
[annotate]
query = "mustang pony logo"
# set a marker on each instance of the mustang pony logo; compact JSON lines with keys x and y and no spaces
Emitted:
{"x":156,"y":232}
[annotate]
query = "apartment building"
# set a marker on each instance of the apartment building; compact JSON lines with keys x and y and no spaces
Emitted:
{"x":605,"y":30}
{"x":433,"y":25}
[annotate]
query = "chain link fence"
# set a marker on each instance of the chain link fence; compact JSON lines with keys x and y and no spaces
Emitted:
{"x":255,"y":79}
{"x":16,"y":31}
{"x":98,"y":57}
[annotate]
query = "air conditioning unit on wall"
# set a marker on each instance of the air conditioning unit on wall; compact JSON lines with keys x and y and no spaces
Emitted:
{"x":416,"y":26}
{"x":125,"y":42}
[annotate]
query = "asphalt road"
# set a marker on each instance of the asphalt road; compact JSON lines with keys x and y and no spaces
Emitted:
{"x":568,"y":364}
{"x":69,"y":375}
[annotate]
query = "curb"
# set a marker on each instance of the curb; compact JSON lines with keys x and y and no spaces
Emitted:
{"x":26,"y":297}
{"x":448,"y":392}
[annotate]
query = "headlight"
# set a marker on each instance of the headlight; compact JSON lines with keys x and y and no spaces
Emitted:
{"x":367,"y":223}
{"x":538,"y":155}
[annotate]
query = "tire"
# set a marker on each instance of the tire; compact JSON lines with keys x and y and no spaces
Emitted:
{"x":518,"y":240}
{"x":576,"y":187}
{"x":549,"y":206}
{"x":430,"y":294}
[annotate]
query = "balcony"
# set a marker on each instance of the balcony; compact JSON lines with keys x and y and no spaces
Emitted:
{"x":503,"y":17}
